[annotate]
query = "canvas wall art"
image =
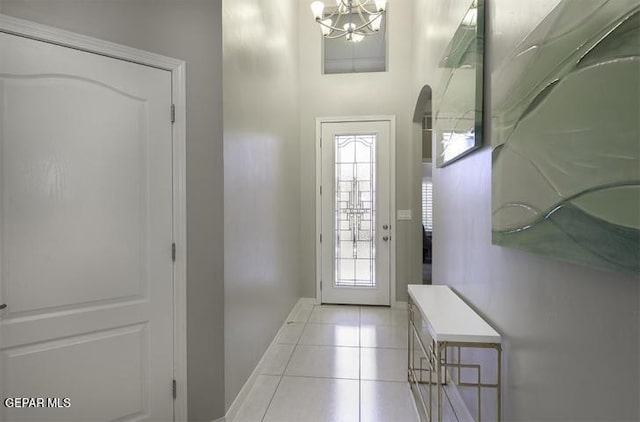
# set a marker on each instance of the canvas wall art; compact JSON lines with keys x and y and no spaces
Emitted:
{"x":566,"y":137}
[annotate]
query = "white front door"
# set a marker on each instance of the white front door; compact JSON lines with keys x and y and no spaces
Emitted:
{"x":85,"y":235}
{"x":356,"y":212}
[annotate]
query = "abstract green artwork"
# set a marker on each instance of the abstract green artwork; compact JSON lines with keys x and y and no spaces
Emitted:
{"x":566,"y":137}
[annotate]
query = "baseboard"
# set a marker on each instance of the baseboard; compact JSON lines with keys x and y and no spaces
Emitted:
{"x":246,"y":388}
{"x":306,"y":300}
{"x":399,"y":305}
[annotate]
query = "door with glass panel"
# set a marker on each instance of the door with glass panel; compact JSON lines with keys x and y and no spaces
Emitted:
{"x":355,"y":222}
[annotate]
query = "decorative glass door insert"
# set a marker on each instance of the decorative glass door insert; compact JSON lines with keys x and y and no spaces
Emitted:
{"x":355,"y":210}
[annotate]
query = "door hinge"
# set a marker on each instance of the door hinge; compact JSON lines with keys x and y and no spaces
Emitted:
{"x":174,"y":389}
{"x":320,"y":285}
{"x":320,"y":237}
{"x":320,"y":142}
{"x":173,"y":252}
{"x":320,"y":190}
{"x":173,"y":113}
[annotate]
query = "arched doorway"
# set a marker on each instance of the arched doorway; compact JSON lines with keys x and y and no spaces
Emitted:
{"x":422,"y":119}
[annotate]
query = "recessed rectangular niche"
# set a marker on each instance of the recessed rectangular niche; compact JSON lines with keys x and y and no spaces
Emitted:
{"x":368,"y":55}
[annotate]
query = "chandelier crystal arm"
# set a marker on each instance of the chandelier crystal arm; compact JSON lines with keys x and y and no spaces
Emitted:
{"x":361,"y":7}
{"x":355,"y":3}
{"x":359,"y":10}
{"x":335,"y":28}
{"x":363,"y":26}
{"x":368,"y":21}
{"x":335,"y":12}
{"x":350,"y":11}
{"x":363,"y":3}
{"x":342,"y":32}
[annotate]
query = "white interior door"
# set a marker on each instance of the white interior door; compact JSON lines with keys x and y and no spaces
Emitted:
{"x":85,"y":234}
{"x":356,"y":212}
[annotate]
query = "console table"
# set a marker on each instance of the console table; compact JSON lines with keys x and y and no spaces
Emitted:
{"x":441,"y":324}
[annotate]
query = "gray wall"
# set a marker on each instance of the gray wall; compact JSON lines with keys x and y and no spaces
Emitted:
{"x":189,"y":30}
{"x":571,"y":332}
{"x":261,"y":187}
{"x":360,"y":94}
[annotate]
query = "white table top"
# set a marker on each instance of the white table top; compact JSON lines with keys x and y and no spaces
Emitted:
{"x":449,"y":318}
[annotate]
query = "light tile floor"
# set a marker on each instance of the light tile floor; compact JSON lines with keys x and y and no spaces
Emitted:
{"x":335,"y":363}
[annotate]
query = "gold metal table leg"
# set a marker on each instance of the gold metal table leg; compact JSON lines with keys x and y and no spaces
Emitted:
{"x":436,"y":363}
{"x":499,"y":382}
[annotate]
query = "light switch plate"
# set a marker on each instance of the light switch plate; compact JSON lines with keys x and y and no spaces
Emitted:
{"x":404,"y":214}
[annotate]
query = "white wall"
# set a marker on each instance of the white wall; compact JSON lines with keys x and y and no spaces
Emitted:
{"x":571,"y":332}
{"x":261,"y":188}
{"x":382,"y":93}
{"x":189,"y":30}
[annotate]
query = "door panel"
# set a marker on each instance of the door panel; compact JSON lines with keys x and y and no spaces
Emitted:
{"x":79,"y":360}
{"x":48,"y":258}
{"x":356,"y":227}
{"x":85,"y":234}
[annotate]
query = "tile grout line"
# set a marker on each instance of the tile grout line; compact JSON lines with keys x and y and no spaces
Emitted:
{"x":315,"y":377}
{"x":285,"y":367}
{"x":335,"y":346}
{"x":305,"y":324}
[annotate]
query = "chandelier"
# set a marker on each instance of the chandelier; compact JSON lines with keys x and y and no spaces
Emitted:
{"x":352,"y":19}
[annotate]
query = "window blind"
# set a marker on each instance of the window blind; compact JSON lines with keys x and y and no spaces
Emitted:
{"x":427,"y":205}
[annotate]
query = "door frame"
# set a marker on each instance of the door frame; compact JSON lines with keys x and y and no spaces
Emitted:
{"x":392,"y":195}
{"x":35,"y":31}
